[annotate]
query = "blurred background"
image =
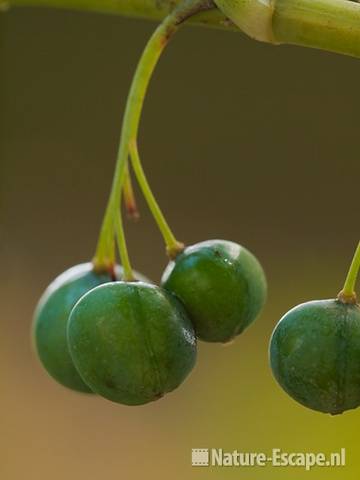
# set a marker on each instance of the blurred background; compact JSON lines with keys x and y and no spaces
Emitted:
{"x":242,"y":141}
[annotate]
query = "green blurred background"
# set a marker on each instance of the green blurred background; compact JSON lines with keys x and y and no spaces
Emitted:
{"x":243,"y":141}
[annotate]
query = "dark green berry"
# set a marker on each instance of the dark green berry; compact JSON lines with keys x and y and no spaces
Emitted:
{"x":51,"y":317}
{"x":50,"y":322}
{"x":315,"y":355}
{"x":221,"y":285}
{"x":131,"y":342}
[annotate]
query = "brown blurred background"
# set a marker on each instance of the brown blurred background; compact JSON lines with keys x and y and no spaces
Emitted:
{"x":242,"y":141}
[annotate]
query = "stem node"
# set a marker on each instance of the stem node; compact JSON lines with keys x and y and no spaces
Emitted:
{"x":347,"y":294}
{"x":348,"y":299}
{"x":175,"y":250}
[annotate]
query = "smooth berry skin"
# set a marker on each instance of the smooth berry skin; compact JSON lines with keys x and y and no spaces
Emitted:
{"x":222,"y":286}
{"x":131,"y":342}
{"x":51,"y":317}
{"x":315,"y":355}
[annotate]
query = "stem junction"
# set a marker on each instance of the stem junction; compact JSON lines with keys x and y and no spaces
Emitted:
{"x":105,"y":253}
{"x":347,"y":294}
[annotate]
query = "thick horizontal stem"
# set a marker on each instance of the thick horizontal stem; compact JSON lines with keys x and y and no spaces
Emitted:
{"x":332,"y":25}
{"x":150,"y":9}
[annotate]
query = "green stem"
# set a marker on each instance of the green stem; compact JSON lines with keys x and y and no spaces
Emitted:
{"x":173,"y":246}
{"x":128,"y":275}
{"x":332,"y":25}
{"x":129,"y":197}
{"x":347,"y":294}
{"x":105,"y":254}
{"x":147,"y":9}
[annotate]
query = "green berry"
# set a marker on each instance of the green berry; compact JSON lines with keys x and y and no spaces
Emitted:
{"x":315,"y":355}
{"x":51,"y":317}
{"x":221,"y":285}
{"x":50,"y":322}
{"x":131,"y":342}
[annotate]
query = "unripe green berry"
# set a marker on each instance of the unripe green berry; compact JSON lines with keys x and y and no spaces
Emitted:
{"x":131,"y":342}
{"x":315,"y":355}
{"x":51,"y":318}
{"x":221,"y":285}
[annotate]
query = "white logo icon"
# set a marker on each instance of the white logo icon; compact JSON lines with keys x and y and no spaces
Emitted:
{"x":200,"y":457}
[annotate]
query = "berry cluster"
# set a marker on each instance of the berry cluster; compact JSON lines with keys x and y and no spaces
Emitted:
{"x":108,"y":330}
{"x":104,"y":329}
{"x":132,"y":342}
